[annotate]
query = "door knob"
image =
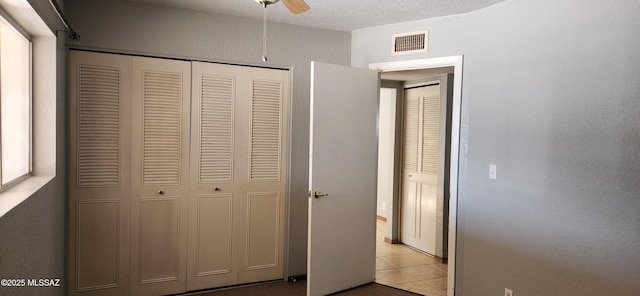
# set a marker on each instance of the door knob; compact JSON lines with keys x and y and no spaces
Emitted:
{"x":318,"y":194}
{"x":216,"y":189}
{"x":161,"y":192}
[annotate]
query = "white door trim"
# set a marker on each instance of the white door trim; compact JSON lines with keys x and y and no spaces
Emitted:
{"x":456,"y":62}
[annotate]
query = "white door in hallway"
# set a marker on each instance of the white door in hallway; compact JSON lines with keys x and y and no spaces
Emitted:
{"x":421,"y":165}
{"x":342,"y":174}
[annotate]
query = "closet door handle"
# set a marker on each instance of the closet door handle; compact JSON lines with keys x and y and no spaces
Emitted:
{"x":161,"y":192}
{"x":216,"y":189}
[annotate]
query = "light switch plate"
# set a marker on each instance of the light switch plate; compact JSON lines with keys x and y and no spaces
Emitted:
{"x":493,"y":171}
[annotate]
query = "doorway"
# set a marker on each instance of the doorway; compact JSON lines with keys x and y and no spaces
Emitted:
{"x":398,"y":76}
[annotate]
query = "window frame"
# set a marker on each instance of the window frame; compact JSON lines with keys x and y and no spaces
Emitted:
{"x":20,"y":30}
{"x":48,"y":106}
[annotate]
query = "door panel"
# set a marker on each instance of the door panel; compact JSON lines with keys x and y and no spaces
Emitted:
{"x":428,"y":199}
{"x":99,"y":126}
{"x":216,"y":168}
{"x":261,"y":202}
{"x":266,"y":130}
{"x":159,"y":253}
{"x":410,"y":138}
{"x":99,"y":173}
{"x":263,"y":221}
{"x":410,"y":213}
{"x":421,"y":166}
{"x":162,"y":114}
{"x":98,"y":239}
{"x":159,"y":213}
{"x":343,"y":156}
{"x":215,"y":127}
{"x":214,"y":236}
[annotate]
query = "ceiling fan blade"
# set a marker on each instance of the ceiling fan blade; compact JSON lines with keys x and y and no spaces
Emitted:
{"x":296,"y":6}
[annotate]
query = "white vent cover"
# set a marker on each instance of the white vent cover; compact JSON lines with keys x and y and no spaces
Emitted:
{"x":410,"y":43}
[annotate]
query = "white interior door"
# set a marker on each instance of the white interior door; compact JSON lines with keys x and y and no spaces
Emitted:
{"x":342,"y":164}
{"x":421,"y":158}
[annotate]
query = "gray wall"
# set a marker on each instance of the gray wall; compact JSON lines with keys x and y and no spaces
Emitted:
{"x":130,"y":26}
{"x":32,"y":235}
{"x":550,"y":95}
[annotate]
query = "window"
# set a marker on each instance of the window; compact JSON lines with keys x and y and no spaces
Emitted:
{"x":15,"y":105}
{"x":30,"y":45}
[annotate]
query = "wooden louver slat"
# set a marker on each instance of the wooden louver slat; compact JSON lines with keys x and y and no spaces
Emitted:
{"x":98,"y":145}
{"x":162,"y":124}
{"x":410,"y":136}
{"x":216,"y":129}
{"x":430,"y":134}
{"x":266,"y":129}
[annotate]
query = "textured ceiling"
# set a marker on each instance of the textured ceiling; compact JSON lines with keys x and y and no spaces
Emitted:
{"x":341,"y":15}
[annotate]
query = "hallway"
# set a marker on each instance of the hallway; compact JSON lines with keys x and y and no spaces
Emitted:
{"x":402,"y":267}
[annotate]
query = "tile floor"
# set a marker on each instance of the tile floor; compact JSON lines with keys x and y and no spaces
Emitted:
{"x":402,"y":267}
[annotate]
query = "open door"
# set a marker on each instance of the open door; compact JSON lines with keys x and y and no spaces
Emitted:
{"x":342,"y":178}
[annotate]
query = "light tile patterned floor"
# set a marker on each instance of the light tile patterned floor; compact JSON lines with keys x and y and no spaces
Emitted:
{"x":402,"y":267}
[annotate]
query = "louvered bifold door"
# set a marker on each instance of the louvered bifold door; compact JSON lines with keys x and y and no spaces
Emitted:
{"x":99,"y":174}
{"x":160,"y":161}
{"x":214,"y":186}
{"x":410,"y":204}
{"x":263,"y":167}
{"x":421,"y":144}
{"x":429,"y":159}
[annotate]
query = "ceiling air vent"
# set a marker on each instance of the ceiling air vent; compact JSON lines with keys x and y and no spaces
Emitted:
{"x":409,"y":43}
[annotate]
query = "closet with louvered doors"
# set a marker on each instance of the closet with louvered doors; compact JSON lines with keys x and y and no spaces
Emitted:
{"x":238,"y":175}
{"x":177,"y":174}
{"x":129,"y":174}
